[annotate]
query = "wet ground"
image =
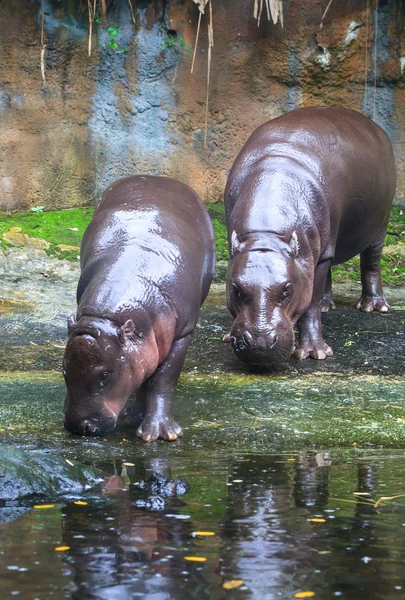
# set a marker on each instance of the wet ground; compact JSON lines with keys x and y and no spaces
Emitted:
{"x":286,"y":471}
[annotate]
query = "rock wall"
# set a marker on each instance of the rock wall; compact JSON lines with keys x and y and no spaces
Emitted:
{"x":137,"y":108}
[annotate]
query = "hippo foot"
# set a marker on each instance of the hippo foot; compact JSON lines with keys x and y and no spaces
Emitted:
{"x":153,"y":428}
{"x":327,"y":304}
{"x":312,"y":349}
{"x":370,"y":304}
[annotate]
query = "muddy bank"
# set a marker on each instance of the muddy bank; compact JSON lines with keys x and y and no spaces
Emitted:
{"x":38,"y":293}
{"x":355,"y":397}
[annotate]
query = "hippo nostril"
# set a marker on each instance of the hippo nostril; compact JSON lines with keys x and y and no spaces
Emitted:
{"x":274,"y":342}
{"x":247,"y":338}
{"x":89,"y":428}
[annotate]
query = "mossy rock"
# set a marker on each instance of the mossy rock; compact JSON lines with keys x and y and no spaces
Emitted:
{"x":34,"y":476}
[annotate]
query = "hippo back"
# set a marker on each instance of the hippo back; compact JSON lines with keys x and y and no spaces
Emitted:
{"x":339,"y":166}
{"x":150,"y":239}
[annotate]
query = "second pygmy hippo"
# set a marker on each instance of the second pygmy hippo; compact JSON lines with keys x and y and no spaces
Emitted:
{"x":147,"y":262}
{"x":308,"y":190}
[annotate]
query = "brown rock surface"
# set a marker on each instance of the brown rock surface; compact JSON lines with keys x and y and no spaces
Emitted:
{"x":138,"y":109}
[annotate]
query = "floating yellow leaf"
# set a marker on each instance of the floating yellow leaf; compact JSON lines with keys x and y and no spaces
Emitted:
{"x":304,"y":595}
{"x":44,"y":505}
{"x":128,"y":464}
{"x":233,"y":584}
{"x":237,"y":480}
{"x":69,"y":462}
{"x":316,"y":520}
{"x":80,"y":503}
{"x":291,"y":459}
{"x":195,"y":558}
{"x":206,"y":533}
{"x":62,"y":548}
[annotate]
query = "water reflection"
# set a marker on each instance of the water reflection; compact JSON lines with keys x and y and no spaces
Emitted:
{"x":283,"y":524}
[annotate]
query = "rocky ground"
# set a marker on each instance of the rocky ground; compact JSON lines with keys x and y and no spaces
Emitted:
{"x":354,"y":398}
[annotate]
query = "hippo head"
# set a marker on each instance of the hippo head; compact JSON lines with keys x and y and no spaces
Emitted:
{"x":101,"y":372}
{"x":269,"y":286}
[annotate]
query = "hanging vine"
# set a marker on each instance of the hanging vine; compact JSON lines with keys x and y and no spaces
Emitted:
{"x":43,"y":45}
{"x":274,"y":9}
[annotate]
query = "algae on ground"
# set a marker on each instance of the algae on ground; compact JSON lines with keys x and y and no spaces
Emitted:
{"x":264,"y":414}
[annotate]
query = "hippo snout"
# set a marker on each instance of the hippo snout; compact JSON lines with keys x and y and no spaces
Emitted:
{"x":245,"y":340}
{"x":265,"y":348}
{"x":89,"y":427}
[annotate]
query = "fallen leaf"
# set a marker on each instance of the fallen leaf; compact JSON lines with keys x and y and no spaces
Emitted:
{"x":44,"y":505}
{"x":73,"y":229}
{"x":80,"y":503}
{"x":233,"y":584}
{"x":203,"y":533}
{"x":128,"y":464}
{"x":62,"y":548}
{"x":237,"y":480}
{"x":195,"y":558}
{"x":69,"y":462}
{"x":316,"y":520}
{"x":304,"y":595}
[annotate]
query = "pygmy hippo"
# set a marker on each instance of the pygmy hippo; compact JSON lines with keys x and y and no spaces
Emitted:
{"x":147,"y":262}
{"x":308,"y":190}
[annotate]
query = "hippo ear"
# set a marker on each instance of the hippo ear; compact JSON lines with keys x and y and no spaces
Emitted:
{"x":125,"y":331}
{"x":236,"y":245}
{"x":71,"y":321}
{"x":294,"y":244}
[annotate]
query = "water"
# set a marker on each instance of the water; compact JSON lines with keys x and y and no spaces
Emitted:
{"x":262,"y":456}
{"x":260,"y":508}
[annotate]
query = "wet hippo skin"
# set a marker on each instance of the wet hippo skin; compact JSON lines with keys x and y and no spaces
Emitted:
{"x":147,"y":262}
{"x":308,"y":190}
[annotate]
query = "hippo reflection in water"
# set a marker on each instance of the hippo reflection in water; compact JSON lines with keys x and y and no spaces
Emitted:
{"x":308,"y":190}
{"x":147,"y":262}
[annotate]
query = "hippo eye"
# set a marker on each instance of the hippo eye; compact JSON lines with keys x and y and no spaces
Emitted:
{"x":105,"y":376}
{"x":236,"y":291}
{"x":286,"y":291}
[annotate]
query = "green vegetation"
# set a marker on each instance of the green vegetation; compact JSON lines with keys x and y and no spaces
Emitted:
{"x":62,"y":227}
{"x":217,"y":214}
{"x":113,"y":32}
{"x":393,"y":259}
{"x":175,"y":41}
{"x":66,"y":228}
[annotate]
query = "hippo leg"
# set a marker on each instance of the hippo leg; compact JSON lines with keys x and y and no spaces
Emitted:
{"x":310,"y":342}
{"x":327,"y":300}
{"x":372,"y":295}
{"x":158,"y":421}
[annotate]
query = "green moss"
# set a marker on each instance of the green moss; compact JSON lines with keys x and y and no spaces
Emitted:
{"x":56,"y":227}
{"x":217,"y":214}
{"x":393,"y":258}
{"x":59,"y":227}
